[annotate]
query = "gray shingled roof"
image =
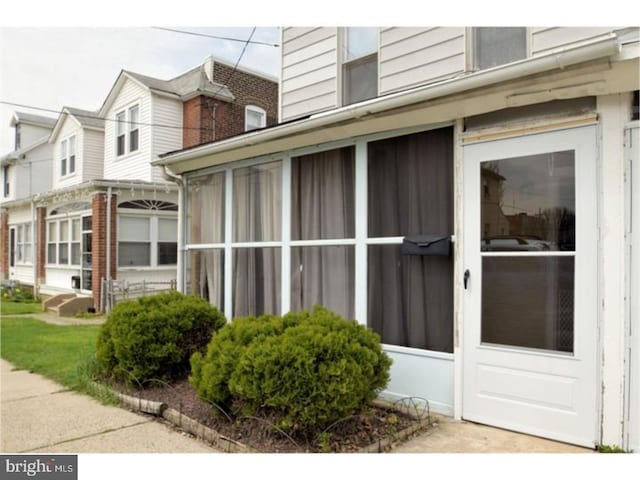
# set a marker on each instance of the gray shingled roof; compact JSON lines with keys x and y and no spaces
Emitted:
{"x":23,"y":117}
{"x":193,"y":81}
{"x":86,"y":118}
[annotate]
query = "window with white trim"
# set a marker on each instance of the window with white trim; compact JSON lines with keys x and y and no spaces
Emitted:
{"x":147,"y":241}
{"x":360,"y":64}
{"x":493,"y":46}
{"x":63,"y":241}
{"x":120,"y":133}
{"x":128,"y":130}
{"x":5,"y":181}
{"x":68,"y":156}
{"x":23,"y":243}
{"x":254,"y":118}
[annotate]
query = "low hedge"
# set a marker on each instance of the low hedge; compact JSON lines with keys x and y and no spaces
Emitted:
{"x":153,"y":337}
{"x":306,"y":370}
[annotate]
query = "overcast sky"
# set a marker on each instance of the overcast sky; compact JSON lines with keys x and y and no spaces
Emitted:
{"x":49,"y":66}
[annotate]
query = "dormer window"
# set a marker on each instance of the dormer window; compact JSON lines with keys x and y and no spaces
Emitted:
{"x":360,"y":64}
{"x":120,"y":134}
{"x":133,"y":128}
{"x":254,"y":118}
{"x":68,"y":156}
{"x":128,"y":130}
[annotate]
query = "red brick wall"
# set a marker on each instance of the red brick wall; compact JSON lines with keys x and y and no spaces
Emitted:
{"x":99,"y":242}
{"x":198,"y":113}
{"x":41,"y":244}
{"x":4,"y":245}
{"x":248,"y":90}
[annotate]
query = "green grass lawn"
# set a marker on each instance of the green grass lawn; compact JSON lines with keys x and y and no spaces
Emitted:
{"x":63,"y":353}
{"x":14,"y":308}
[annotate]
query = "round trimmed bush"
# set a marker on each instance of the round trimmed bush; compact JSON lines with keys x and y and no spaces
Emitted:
{"x":306,"y":369}
{"x":154,"y":337}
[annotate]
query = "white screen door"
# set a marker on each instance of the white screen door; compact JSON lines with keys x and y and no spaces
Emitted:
{"x":530,"y":250}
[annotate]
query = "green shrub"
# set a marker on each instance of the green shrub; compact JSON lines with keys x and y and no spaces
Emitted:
{"x":154,"y":337}
{"x":306,"y":369}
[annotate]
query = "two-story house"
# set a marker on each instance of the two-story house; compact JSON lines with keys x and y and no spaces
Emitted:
{"x":22,"y":178}
{"x":110,"y":214}
{"x":465,"y":192}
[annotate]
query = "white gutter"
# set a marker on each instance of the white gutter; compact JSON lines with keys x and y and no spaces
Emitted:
{"x":603,"y":46}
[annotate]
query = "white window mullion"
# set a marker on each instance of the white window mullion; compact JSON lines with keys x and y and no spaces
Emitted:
{"x":361,"y":201}
{"x":285,"y":252}
{"x":154,"y":235}
{"x":228,"y":252}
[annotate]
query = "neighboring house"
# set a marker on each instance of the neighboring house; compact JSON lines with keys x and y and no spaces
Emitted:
{"x":21,"y":174}
{"x":507,"y":137}
{"x":110,"y":214}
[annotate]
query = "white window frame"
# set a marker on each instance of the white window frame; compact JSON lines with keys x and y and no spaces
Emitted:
{"x":470,"y":45}
{"x":254,"y":109}
{"x":125,"y":128}
{"x":24,"y":244}
{"x":67,"y":153}
{"x":345,"y":61}
{"x":361,"y":241}
{"x":154,"y":220}
{"x":69,"y":242}
{"x":6,"y":184}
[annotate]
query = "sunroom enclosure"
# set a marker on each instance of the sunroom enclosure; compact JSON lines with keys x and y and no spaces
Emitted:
{"x":326,"y":226}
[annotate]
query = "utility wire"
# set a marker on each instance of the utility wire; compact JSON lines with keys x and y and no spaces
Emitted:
{"x":255,"y":42}
{"x":96,"y":117}
{"x":235,"y":67}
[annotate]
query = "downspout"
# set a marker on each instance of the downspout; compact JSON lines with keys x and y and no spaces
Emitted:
{"x":108,"y":253}
{"x":34,"y":253}
{"x":177,"y":179}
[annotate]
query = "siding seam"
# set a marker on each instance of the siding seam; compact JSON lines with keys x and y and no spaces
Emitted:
{"x":414,"y":67}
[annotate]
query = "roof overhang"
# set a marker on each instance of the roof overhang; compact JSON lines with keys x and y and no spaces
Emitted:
{"x":344,"y":121}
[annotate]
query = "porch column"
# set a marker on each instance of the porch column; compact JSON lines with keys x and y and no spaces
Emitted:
{"x":4,"y":245}
{"x":100,"y":244}
{"x":41,"y":245}
{"x":615,"y":112}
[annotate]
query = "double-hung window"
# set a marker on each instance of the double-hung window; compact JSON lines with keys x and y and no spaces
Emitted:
{"x":493,"y":46}
{"x":360,"y":64}
{"x":68,"y":156}
{"x":128,"y":130}
{"x":63,"y":241}
{"x":63,"y":158}
{"x":134,"y":130}
{"x":120,"y":133}
{"x":23,"y":243}
{"x":5,"y":180}
{"x":147,"y":241}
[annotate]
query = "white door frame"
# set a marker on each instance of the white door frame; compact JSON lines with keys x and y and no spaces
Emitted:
{"x":544,"y":412}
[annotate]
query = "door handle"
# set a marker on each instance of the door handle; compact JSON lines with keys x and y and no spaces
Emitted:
{"x":467,"y":274}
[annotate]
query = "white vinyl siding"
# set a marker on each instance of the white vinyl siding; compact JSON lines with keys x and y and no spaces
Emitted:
{"x":70,"y":128}
{"x":30,"y":133}
{"x":131,"y":165}
{"x":309,"y":71}
{"x":415,"y":56}
{"x":92,"y":155}
{"x":165,"y":111}
{"x":546,"y":38}
{"x":25,"y":176}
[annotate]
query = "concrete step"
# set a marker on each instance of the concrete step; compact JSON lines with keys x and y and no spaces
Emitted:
{"x":56,"y":300}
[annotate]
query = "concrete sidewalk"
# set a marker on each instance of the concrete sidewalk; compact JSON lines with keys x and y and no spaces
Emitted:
{"x":38,"y":415}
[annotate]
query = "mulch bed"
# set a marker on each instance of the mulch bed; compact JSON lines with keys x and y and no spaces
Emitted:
{"x":377,"y":425}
